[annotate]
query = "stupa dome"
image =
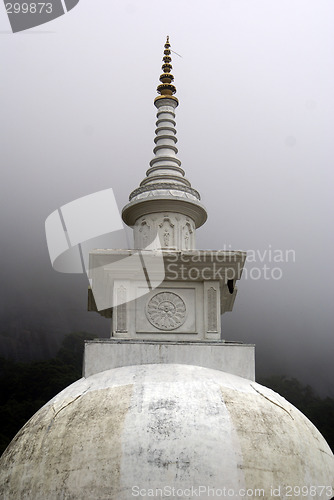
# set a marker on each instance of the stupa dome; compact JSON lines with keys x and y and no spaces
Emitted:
{"x":124,"y":432}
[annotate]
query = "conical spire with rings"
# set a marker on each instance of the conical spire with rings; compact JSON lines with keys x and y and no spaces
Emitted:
{"x":165,"y":204}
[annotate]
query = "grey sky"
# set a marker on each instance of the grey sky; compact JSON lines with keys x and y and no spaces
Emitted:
{"x":255,"y":128}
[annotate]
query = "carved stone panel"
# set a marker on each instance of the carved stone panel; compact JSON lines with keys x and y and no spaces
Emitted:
{"x":121,"y":310}
{"x":212,"y":309}
{"x":166,"y":311}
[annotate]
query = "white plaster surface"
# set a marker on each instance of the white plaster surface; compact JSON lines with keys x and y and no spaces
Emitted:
{"x":157,"y":426}
{"x":101,"y":355}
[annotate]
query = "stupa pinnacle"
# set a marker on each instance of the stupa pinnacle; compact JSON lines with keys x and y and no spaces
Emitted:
{"x":165,"y":203}
{"x":166,"y":88}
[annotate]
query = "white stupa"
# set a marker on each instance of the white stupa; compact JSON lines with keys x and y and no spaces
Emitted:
{"x":166,"y":408}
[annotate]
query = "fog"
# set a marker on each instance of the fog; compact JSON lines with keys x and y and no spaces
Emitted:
{"x":255,"y":128}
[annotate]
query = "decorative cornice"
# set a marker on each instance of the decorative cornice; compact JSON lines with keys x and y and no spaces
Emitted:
{"x":153,"y":179}
{"x":165,"y":185}
{"x":157,"y":204}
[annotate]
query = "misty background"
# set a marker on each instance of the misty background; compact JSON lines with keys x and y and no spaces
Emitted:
{"x":255,"y":127}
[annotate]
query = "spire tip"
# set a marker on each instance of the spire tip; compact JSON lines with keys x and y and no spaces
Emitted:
{"x":166,"y":88}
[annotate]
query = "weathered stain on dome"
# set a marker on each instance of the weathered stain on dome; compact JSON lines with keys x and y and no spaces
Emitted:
{"x":156,"y":425}
{"x":285,"y":444}
{"x":56,"y":450}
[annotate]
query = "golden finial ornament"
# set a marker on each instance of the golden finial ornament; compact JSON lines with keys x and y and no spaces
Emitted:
{"x":166,"y":87}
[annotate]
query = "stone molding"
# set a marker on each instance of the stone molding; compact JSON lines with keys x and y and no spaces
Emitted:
{"x":231,"y":357}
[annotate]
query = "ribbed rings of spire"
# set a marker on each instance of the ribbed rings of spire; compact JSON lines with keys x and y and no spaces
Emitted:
{"x":165,"y":168}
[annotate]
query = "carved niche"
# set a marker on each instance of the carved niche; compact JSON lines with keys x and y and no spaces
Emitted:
{"x":144,"y":231}
{"x":166,"y":232}
{"x":187,"y":236}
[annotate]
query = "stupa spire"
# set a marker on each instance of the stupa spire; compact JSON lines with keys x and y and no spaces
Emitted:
{"x":166,"y":88}
{"x":165,"y":203}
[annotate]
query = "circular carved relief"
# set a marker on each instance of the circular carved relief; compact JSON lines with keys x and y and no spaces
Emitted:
{"x":166,"y":311}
